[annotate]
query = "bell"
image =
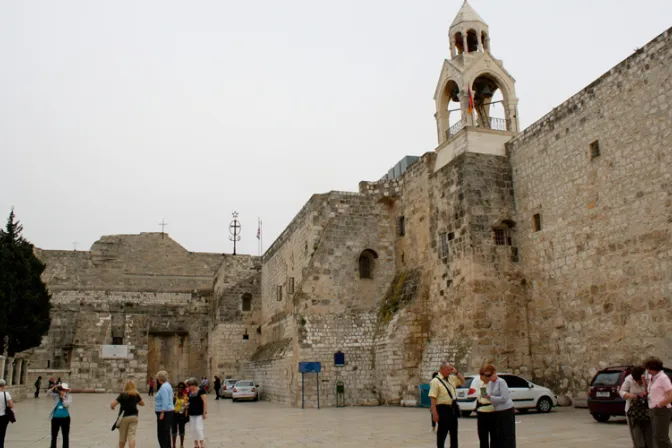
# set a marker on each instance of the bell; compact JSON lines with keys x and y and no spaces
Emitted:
{"x":455,"y":94}
{"x":486,"y":92}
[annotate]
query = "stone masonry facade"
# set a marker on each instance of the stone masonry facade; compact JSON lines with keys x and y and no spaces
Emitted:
{"x":547,"y":252}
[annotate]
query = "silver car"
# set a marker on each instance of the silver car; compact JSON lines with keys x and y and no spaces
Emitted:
{"x":245,"y":390}
{"x":226,"y":390}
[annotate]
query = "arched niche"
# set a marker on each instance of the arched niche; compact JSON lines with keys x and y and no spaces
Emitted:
{"x":485,"y":40}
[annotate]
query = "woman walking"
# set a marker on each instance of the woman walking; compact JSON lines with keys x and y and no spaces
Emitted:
{"x":60,"y":415}
{"x":5,"y":403}
{"x":128,"y":402}
{"x":181,"y":402}
{"x":485,"y":412}
{"x":198,"y":411}
{"x":505,"y":417}
{"x":633,"y":391}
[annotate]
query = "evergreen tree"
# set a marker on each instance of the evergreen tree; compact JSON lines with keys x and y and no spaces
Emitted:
{"x":24,"y":298}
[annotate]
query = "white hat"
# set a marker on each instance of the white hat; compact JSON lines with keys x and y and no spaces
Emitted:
{"x":64,"y":386}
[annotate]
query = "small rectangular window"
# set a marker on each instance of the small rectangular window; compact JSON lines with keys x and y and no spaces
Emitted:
{"x":246,"y":337}
{"x":279,"y":293}
{"x":247,"y":302}
{"x":536,"y":222}
{"x":401,"y":226}
{"x":595,"y":150}
{"x":290,"y":285}
{"x":515,"y":258}
{"x":444,"y":245}
{"x":117,"y":341}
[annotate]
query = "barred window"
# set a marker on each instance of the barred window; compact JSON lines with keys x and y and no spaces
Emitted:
{"x":401,"y":226}
{"x":290,"y":285}
{"x":278,"y":293}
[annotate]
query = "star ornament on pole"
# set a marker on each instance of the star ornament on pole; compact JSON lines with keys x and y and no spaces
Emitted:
{"x":234,"y":229}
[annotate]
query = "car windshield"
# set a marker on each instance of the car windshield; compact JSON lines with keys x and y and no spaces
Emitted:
{"x":467,"y":383}
{"x":607,"y":379}
{"x":230,"y":382}
{"x":244,"y":383}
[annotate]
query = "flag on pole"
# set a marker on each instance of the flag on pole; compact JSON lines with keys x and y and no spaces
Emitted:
{"x":259,"y":230}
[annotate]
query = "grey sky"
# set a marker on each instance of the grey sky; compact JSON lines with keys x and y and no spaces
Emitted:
{"x":116,"y":114}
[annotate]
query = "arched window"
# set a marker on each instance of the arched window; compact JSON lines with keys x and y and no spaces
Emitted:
{"x":485,"y":40}
{"x":247,"y":301}
{"x":366,"y":263}
{"x":472,"y":41}
{"x":459,"y":43}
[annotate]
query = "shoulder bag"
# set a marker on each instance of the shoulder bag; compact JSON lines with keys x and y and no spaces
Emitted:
{"x":639,"y":410}
{"x":9,"y":412}
{"x":117,"y":422}
{"x":453,"y":406}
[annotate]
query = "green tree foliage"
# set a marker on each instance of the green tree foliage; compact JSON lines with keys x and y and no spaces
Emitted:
{"x":24,"y":298}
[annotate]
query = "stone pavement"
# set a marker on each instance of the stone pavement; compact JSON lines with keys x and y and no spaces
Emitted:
{"x":263,"y":424}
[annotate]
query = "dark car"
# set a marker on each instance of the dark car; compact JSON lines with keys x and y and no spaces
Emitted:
{"x":604,"y":400}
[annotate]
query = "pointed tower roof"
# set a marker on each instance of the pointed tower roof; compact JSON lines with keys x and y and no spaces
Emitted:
{"x":467,"y":14}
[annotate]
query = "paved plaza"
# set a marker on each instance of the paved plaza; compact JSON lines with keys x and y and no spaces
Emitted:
{"x":263,"y":424}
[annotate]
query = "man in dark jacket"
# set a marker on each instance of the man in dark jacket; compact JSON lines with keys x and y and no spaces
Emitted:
{"x":218,"y":384}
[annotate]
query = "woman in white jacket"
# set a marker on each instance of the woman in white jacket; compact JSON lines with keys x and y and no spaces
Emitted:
{"x":634,"y":388}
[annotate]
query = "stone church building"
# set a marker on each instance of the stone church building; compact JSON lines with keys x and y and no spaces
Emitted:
{"x":547,"y":251}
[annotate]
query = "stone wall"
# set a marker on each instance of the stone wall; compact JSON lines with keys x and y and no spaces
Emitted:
{"x":598,"y":271}
{"x":145,"y":291}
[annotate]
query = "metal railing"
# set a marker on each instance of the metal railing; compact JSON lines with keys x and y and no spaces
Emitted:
{"x":496,"y":124}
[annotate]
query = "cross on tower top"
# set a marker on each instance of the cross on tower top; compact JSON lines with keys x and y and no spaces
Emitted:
{"x":163,"y":225}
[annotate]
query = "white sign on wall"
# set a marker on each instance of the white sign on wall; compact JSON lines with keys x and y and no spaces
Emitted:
{"x":114,"y":351}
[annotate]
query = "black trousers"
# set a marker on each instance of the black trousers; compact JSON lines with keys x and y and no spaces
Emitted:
{"x":487,"y":429}
{"x":37,"y":391}
{"x":177,"y":427}
{"x":217,"y":392}
{"x":506,"y":428}
{"x":4,"y":421}
{"x":151,"y":391}
{"x":163,"y":429}
{"x":447,"y":424}
{"x":64,"y":425}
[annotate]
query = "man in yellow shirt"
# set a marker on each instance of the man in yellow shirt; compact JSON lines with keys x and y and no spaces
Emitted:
{"x":442,"y":392}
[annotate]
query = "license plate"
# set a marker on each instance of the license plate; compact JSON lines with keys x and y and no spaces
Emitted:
{"x":461,"y":394}
{"x":604,"y":394}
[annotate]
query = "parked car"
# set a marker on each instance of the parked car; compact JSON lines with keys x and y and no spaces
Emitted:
{"x":604,"y":400}
{"x":226,"y":390}
{"x":525,"y":394}
{"x":245,"y":390}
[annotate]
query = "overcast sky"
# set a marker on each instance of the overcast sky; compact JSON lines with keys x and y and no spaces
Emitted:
{"x":115,"y":115}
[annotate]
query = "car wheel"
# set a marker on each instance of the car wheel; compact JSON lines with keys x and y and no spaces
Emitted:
{"x":233,"y":400}
{"x":544,"y":405}
{"x":465,"y":414}
{"x":256,"y":398}
{"x":602,"y":418}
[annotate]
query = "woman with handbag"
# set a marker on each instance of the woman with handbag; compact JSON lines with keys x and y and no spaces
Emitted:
{"x":633,"y":391}
{"x":128,"y":402}
{"x":60,"y":415}
{"x":6,"y":412}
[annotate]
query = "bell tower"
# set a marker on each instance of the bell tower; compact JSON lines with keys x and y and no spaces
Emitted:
{"x":474,"y":89}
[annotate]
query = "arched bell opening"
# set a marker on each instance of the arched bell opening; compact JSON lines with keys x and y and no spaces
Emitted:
{"x":459,"y":43}
{"x":472,"y":41}
{"x":485,"y":40}
{"x":450,"y":112}
{"x":490,"y":104}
